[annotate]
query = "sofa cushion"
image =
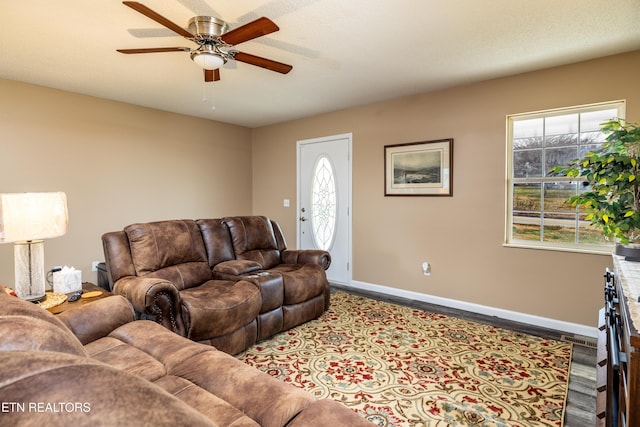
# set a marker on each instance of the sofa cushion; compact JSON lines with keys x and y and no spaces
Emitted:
{"x":126,"y":358}
{"x":302,"y":282}
{"x":27,"y":326}
{"x":216,"y":409}
{"x":253,"y":239}
{"x":184,"y":276}
{"x":171,"y":250}
{"x":217,"y":240}
{"x":59,"y":389}
{"x":154,"y":340}
{"x":267,"y":400}
{"x":219,"y":307}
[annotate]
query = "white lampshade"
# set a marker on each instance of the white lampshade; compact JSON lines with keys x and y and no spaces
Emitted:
{"x":32,"y":216}
{"x":207,"y":60}
{"x":26,"y":219}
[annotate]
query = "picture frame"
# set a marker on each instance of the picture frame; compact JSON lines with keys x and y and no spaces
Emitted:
{"x":419,"y":168}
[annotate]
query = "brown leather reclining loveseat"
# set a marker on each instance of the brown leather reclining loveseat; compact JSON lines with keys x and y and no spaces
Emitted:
{"x":226,"y":282}
{"x":93,"y":365}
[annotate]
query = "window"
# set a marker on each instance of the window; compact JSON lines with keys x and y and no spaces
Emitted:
{"x":323,"y":204}
{"x":537,"y":213}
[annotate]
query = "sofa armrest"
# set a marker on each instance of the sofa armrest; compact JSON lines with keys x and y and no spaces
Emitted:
{"x":155,"y":299}
{"x":307,"y":256}
{"x":90,"y":322}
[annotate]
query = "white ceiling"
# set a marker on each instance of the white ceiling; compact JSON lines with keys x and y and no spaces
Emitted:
{"x":344,"y":52}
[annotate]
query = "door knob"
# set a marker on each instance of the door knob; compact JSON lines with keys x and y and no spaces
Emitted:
{"x":303,"y":218}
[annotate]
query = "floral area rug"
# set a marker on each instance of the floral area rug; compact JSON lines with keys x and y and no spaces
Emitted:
{"x":398,"y":366}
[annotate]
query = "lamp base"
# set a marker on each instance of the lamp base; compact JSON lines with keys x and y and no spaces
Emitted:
{"x":29,"y":270}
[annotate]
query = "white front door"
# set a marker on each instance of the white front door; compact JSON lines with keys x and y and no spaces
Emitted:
{"x":324,"y":201}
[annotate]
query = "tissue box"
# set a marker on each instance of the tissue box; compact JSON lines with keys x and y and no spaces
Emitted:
{"x":67,"y":280}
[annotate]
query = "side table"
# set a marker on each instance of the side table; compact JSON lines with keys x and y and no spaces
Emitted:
{"x":86,"y":287}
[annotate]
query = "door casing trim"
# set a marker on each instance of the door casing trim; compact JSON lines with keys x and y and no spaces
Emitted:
{"x":299,"y":144}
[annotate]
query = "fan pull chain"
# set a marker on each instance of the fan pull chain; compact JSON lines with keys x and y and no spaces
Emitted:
{"x":204,"y":92}
{"x":205,"y":98}
{"x":213,"y":100}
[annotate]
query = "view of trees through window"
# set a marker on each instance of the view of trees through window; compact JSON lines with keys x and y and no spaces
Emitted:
{"x":538,"y":208}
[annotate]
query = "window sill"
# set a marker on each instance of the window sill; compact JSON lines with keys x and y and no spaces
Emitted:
{"x":593,"y":250}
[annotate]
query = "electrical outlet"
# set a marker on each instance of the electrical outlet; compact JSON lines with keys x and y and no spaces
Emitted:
{"x":94,"y":265}
{"x":426,"y":268}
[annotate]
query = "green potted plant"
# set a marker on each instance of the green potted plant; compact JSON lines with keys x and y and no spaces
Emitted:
{"x":612,"y":201}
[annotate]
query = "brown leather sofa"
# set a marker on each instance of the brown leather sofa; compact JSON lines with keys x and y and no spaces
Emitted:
{"x":227,"y":282}
{"x":94,"y":366}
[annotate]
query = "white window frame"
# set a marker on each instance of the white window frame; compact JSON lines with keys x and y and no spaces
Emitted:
{"x":509,"y":240}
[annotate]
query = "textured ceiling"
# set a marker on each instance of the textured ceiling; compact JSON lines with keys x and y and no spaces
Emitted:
{"x":344,"y":52}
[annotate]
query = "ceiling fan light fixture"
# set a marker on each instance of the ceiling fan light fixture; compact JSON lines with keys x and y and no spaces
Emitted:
{"x":207,"y":60}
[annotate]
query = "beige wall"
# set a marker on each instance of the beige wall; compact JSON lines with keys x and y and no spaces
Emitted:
{"x":118,"y":164}
{"x":460,"y":236}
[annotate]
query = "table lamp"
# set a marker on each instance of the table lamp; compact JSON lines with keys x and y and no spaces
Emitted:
{"x":25,"y":220}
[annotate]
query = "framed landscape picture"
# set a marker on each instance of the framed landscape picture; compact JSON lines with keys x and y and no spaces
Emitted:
{"x":419,"y":168}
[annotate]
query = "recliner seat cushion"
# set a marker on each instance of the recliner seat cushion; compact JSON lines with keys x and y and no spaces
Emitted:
{"x":219,"y":307}
{"x":302,"y":282}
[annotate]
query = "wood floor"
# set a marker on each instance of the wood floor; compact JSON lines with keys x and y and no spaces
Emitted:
{"x":581,"y":400}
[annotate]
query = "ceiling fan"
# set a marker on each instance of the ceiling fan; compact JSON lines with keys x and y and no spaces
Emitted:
{"x":215,"y":41}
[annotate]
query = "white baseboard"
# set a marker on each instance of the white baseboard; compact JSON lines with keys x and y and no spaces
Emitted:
{"x":544,"y":322}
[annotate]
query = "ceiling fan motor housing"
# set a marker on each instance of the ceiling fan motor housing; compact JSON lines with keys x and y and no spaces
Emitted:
{"x":206,"y":28}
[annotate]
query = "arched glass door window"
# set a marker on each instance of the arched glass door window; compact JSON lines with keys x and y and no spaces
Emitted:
{"x":323,"y":203}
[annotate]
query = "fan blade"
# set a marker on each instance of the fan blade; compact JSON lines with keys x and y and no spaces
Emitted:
{"x":259,"y":27}
{"x":269,"y":64}
{"x":212,"y":75}
{"x":139,"y":7}
{"x":155,"y":50}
